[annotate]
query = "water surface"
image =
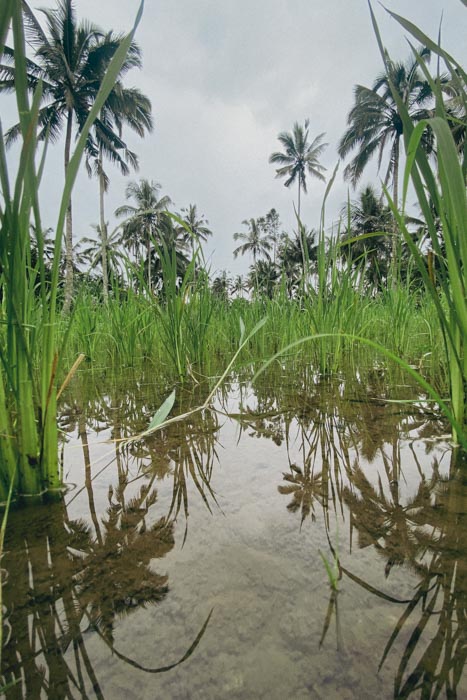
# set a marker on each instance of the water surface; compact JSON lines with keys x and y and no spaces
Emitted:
{"x":189,"y":564}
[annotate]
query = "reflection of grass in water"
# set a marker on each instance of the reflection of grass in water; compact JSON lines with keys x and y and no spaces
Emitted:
{"x":2,"y":539}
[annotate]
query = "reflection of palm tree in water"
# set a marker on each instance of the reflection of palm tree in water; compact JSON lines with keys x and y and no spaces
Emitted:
{"x":121,"y":563}
{"x":58,"y":575}
{"x":428,"y":534}
{"x":306,"y":488}
{"x":379,"y":515}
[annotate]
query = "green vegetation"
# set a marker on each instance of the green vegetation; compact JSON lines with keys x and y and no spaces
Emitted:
{"x":31,"y":350}
{"x":397,"y":282}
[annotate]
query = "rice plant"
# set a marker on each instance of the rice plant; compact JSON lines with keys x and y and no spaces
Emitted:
{"x":442,"y":197}
{"x":28,"y":376}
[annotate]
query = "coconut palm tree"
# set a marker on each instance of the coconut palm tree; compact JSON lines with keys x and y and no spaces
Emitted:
{"x":221,"y":285}
{"x":299,"y":157}
{"x":71,"y":59}
{"x":290,"y":250}
{"x":105,"y":248}
{"x":270,"y":225}
{"x":239,"y":286}
{"x":456,"y":110}
{"x":253,"y":241}
{"x":197,"y":226}
{"x":374,"y":124}
{"x":144,"y":217}
{"x":124,"y":107}
{"x":263,"y":278}
{"x":368,"y":215}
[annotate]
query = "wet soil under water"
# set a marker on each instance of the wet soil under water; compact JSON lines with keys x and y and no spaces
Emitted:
{"x":190,"y":564}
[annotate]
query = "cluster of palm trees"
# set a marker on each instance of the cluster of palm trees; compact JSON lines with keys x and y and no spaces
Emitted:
{"x":374,"y":129}
{"x":133,"y":250}
{"x":70,"y":59}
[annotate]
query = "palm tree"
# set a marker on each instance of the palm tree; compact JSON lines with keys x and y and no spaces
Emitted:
{"x":293,"y":252}
{"x":456,"y":110}
{"x":71,"y":59}
{"x":124,"y":106}
{"x":290,"y":250}
{"x":253,"y":241}
{"x":239,"y":285}
{"x":270,"y":225}
{"x":144,"y":217}
{"x":263,"y":277}
{"x":106,"y":249}
{"x":374,"y":123}
{"x":368,"y":215}
{"x":300,"y":157}
{"x":221,"y":285}
{"x":196,"y":226}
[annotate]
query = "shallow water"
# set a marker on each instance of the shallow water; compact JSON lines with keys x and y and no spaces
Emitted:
{"x":189,"y":564}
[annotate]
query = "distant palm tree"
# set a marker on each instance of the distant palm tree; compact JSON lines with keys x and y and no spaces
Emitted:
{"x":239,"y":285}
{"x":367,"y":215}
{"x":221,"y":286}
{"x":263,"y":277}
{"x":270,"y":225}
{"x":290,"y":251}
{"x":457,"y":111}
{"x":197,"y":226}
{"x":254,"y":241}
{"x":70,"y":59}
{"x":294,"y":252}
{"x":124,"y":106}
{"x":104,"y":248}
{"x":144,"y":217}
{"x":299,"y":157}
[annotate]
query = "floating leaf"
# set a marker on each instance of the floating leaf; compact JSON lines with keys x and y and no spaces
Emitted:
{"x":162,"y":412}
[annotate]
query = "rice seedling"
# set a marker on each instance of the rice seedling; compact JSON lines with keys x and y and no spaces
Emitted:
{"x":28,"y":376}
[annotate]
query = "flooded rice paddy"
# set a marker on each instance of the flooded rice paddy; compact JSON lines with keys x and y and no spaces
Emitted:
{"x":191,"y":564}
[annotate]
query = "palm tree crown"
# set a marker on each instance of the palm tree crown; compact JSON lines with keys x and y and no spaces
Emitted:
{"x":196,"y":226}
{"x":144,"y":217}
{"x":299,"y":157}
{"x":374,"y":123}
{"x":366,"y":215}
{"x":253,"y":241}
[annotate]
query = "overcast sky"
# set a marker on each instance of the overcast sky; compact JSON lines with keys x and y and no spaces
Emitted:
{"x":224,"y":78}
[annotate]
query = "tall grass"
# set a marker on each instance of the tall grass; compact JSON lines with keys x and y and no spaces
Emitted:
{"x":28,"y":376}
{"x":441,"y":193}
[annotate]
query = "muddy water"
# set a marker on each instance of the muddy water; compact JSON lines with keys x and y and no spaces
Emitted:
{"x":190,"y":564}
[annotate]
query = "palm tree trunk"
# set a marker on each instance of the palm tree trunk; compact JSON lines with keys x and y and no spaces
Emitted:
{"x":300,"y":234}
{"x":256,"y":273}
{"x":395,"y":195}
{"x":69,"y":224}
{"x":103,"y":228}
{"x":299,"y":197}
{"x":148,"y":255}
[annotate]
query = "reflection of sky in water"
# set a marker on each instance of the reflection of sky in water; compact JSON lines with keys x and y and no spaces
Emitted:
{"x":251,"y":560}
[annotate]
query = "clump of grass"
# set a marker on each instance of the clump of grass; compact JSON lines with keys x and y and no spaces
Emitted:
{"x":441,"y":193}
{"x":28,"y":374}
